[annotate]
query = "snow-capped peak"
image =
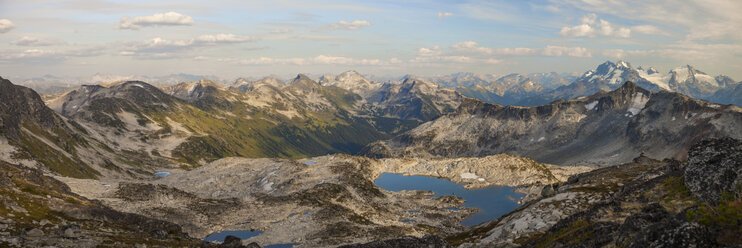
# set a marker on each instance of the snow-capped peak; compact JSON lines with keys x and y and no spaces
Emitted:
{"x":608,"y":71}
{"x":623,"y":64}
{"x":350,"y":80}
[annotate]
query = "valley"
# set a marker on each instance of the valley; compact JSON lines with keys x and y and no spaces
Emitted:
{"x":314,"y":163}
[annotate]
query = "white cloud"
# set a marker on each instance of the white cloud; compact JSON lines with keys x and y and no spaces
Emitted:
{"x":33,"y":41}
{"x":472,"y":47}
{"x":648,"y":29}
{"x":441,"y":15}
{"x":222,"y":38}
{"x":579,"y":30}
{"x":281,"y":31}
{"x":446,"y":59}
{"x":433,"y":51}
{"x":566,"y":51}
{"x":518,"y":51}
{"x":319,"y":60}
{"x":492,"y":61}
{"x":589,"y":19}
{"x":49,"y":55}
{"x":472,"y":52}
{"x":592,"y":26}
{"x":681,"y":52}
{"x":6,"y":25}
{"x":353,"y":25}
{"x":716,"y":20}
{"x":159,"y":47}
{"x":159,"y":19}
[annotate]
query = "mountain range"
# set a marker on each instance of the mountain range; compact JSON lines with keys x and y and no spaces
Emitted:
{"x":609,"y":76}
{"x":604,"y":128}
{"x":297,"y":159}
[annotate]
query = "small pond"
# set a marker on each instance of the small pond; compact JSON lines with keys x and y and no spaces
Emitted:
{"x":162,"y":173}
{"x":220,"y":236}
{"x":280,"y":246}
{"x":492,"y":202}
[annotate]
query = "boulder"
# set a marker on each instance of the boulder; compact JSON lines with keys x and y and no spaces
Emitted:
{"x":714,"y":167}
{"x":32,"y":232}
{"x":71,"y":231}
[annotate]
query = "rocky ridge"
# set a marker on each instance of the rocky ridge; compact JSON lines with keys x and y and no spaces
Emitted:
{"x":602,"y":129}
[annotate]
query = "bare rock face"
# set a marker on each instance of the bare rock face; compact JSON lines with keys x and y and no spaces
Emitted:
{"x":674,"y":232}
{"x":414,"y":99}
{"x":714,"y":168}
{"x":19,"y":104}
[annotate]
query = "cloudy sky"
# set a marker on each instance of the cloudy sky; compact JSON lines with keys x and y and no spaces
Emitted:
{"x":386,"y":38}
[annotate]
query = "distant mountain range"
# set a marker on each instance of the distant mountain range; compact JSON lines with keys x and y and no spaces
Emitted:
{"x":609,"y":76}
{"x":50,"y":84}
{"x":531,"y":89}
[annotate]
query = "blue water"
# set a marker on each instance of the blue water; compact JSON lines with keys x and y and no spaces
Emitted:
{"x":309,"y":163}
{"x":492,"y":202}
{"x":280,"y":246}
{"x":220,"y":236}
{"x":162,"y":173}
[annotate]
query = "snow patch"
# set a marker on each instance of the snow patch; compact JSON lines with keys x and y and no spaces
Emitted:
{"x":541,"y":139}
{"x":638,"y":103}
{"x":661,"y":80}
{"x":716,"y":106}
{"x":190,"y":90}
{"x":291,"y":113}
{"x":591,"y":105}
{"x":268,"y":186}
{"x":469,"y":175}
{"x":139,"y":85}
{"x":616,"y":77}
{"x":703,"y":78}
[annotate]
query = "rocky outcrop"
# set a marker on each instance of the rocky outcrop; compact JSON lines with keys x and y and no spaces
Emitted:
{"x":714,"y":168}
{"x":193,"y":91}
{"x":39,"y":211}
{"x":562,"y":207}
{"x":428,"y":241}
{"x":645,"y":204}
{"x":34,"y":135}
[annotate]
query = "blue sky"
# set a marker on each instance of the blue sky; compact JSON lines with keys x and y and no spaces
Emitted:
{"x":385,"y":38}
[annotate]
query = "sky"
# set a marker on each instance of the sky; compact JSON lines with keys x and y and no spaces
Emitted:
{"x":240,"y":38}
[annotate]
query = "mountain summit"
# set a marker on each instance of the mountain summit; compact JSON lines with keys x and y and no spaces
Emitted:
{"x":609,"y":76}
